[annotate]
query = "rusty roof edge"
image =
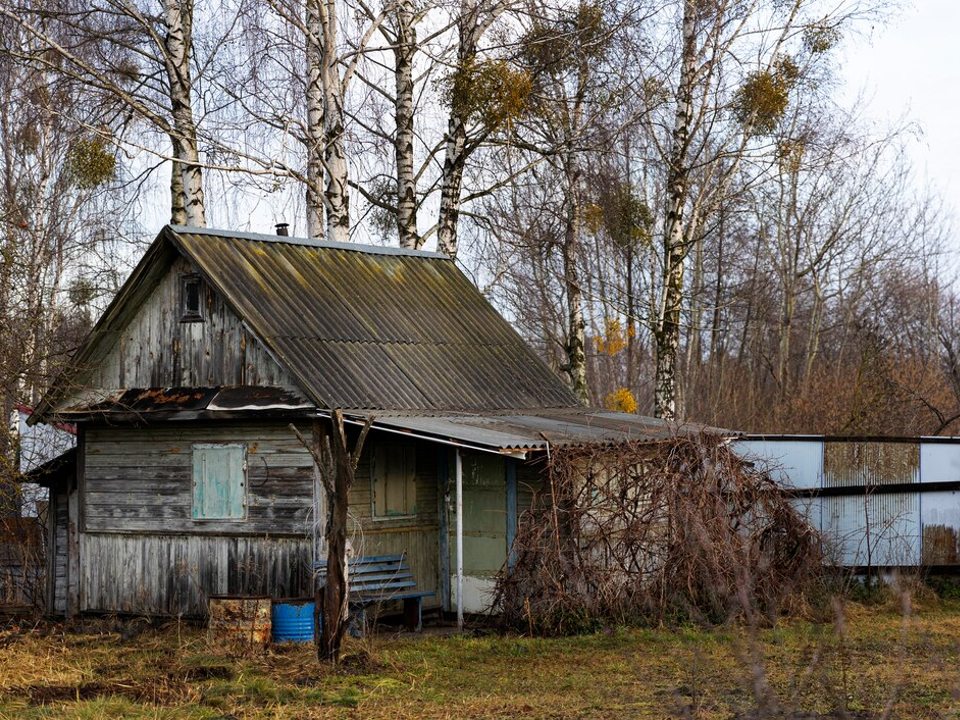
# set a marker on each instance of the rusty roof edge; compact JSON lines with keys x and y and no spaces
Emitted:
{"x":308,"y":242}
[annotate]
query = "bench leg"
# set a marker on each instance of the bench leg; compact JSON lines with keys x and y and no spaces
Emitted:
{"x":413,"y":614}
{"x":357,"y":622}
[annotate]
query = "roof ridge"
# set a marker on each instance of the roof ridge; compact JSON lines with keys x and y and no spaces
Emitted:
{"x":308,"y":242}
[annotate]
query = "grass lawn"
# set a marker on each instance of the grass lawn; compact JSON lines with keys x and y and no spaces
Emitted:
{"x":872,"y":663}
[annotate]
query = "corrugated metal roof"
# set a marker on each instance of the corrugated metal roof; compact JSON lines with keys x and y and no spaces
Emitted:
{"x":523,"y":431}
{"x":374,"y":328}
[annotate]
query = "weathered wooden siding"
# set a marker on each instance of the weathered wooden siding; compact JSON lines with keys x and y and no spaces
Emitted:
{"x":140,"y":479}
{"x":175,"y":575}
{"x":530,"y":481}
{"x":58,"y":553}
{"x":143,"y":553}
{"x":419,"y":535}
{"x":156,"y":350}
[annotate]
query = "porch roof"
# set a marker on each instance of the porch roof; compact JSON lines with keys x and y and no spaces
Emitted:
{"x":523,"y":431}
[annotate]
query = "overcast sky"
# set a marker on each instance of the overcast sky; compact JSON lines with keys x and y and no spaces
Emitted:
{"x":911,"y":67}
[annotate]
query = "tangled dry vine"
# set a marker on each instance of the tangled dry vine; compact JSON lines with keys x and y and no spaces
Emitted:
{"x":640,"y":532}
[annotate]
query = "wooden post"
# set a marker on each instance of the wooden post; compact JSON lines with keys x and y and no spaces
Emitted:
{"x":336,"y":466}
{"x":73,"y":552}
{"x":459,"y":481}
{"x":51,"y":558}
{"x":443,"y":473}
{"x":511,"y":473}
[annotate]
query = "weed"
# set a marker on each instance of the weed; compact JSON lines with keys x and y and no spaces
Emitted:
{"x":874,"y":657}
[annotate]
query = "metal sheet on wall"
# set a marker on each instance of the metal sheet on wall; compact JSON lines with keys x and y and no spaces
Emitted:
{"x":940,"y":520}
{"x":939,"y":462}
{"x":811,"y":508}
{"x":792,"y":463}
{"x":854,"y":464}
{"x":878,"y":529}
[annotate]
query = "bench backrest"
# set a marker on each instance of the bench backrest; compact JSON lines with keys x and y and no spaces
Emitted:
{"x":374,"y":575}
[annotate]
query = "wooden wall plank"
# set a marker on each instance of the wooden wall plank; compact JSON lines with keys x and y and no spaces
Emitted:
{"x":156,"y":350}
{"x":175,"y":575}
{"x":72,"y":600}
{"x":138,"y":505}
{"x":140,"y":479}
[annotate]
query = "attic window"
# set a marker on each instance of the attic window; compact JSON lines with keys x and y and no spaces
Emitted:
{"x":191,"y":294}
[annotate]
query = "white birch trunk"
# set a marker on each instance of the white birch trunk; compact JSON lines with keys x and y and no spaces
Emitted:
{"x":334,"y":152}
{"x":453,"y":163}
{"x":178,"y":20}
{"x":315,"y":129}
{"x":666,"y":392}
{"x":456,"y":142}
{"x":404,"y":50}
{"x":576,"y":335}
{"x":178,"y":210}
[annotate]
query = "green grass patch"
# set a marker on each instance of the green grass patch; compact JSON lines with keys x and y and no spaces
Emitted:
{"x":875,"y":657}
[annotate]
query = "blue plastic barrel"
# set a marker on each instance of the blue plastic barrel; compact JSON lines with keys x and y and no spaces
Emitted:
{"x":293,"y":620}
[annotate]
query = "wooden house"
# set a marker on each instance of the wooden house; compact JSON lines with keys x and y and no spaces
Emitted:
{"x":187,"y":480}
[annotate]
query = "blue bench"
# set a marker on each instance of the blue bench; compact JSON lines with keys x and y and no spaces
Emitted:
{"x":381,"y":578}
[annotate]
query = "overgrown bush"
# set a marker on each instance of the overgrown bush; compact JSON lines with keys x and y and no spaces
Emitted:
{"x":650,"y":533}
{"x":946,"y":587}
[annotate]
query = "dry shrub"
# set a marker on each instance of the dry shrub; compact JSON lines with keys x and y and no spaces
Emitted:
{"x":648,"y":533}
{"x":22,"y":561}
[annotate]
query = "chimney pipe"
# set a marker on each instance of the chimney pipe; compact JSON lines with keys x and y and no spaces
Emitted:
{"x":283,"y":229}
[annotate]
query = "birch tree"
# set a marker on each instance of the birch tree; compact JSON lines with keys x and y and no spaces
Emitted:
{"x":721,"y":117}
{"x":175,"y":46}
{"x":404,"y":43}
{"x":474,"y":19}
{"x":337,"y":192}
{"x":315,"y":62}
{"x":138,"y":58}
{"x":477,"y":92}
{"x":667,"y":328}
{"x":315,"y":132}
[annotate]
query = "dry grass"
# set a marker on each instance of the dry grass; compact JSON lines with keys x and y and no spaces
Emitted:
{"x":873,"y":663}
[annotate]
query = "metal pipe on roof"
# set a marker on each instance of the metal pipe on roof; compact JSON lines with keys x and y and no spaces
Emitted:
{"x":459,"y":481}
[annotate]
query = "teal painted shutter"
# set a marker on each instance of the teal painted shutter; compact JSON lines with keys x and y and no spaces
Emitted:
{"x":219,"y":482}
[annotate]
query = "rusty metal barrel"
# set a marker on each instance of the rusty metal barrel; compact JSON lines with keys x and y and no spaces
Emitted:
{"x":240,"y":620}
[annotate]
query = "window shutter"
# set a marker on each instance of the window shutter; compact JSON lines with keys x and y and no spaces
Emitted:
{"x":393,"y":480}
{"x":219,"y":482}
